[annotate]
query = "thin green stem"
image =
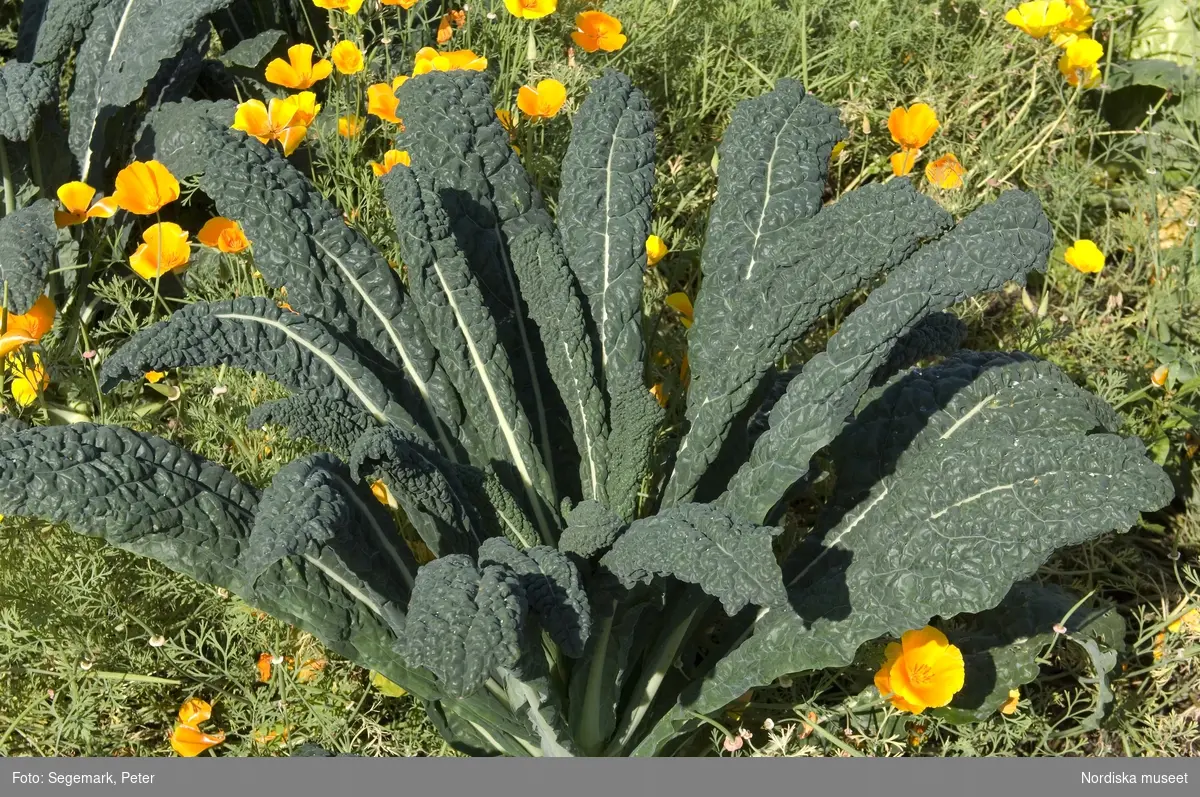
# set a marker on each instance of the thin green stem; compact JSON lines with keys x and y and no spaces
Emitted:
{"x":10,"y":198}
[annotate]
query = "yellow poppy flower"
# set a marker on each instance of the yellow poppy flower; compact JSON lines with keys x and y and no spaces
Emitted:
{"x":382,"y":102}
{"x":680,"y":303}
{"x":1189,"y":621}
{"x":347,"y":57}
{"x":531,"y":9}
{"x":144,"y":187}
{"x":28,"y":327}
{"x":656,"y":250}
{"x":430,"y":60}
{"x":1038,"y":18}
{"x":904,"y":160}
{"x":1010,"y":705}
{"x":1079,"y":63}
{"x":912,"y":127}
{"x":29,"y":379}
{"x":543,"y":102}
{"x":307,"y":108}
{"x":1159,"y":377}
{"x":299,"y":71}
{"x":349,"y":126}
{"x":945,"y":172}
{"x":310,"y":669}
{"x":1076,"y":25}
{"x":165,"y":248}
{"x":76,"y":199}
{"x":1085,"y":256}
{"x":223,"y":234}
{"x":405,"y":4}
{"x":391,"y":159}
{"x":154,"y":377}
{"x":659,"y":393}
{"x":276,"y":122}
{"x":349,"y":6}
{"x":596,"y":30}
{"x":922,"y":670}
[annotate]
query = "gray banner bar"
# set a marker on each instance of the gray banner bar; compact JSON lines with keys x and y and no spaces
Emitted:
{"x":679,"y":777}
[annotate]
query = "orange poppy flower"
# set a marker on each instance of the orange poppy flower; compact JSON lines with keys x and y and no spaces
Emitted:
{"x":391,"y":159}
{"x":945,"y":172}
{"x":382,"y":494}
{"x":382,"y":102}
{"x":531,"y":9}
{"x":659,"y":393}
{"x":263,"y":665}
{"x":165,"y":248}
{"x":223,"y":234}
{"x":904,"y":160}
{"x":922,"y":670}
{"x":444,"y":31}
{"x":405,"y":4}
{"x":349,"y":126}
{"x":543,"y":102}
{"x":76,"y":198}
{"x":347,"y":57}
{"x":307,"y":108}
{"x":912,"y":127}
{"x":274,"y":123}
{"x":349,"y":6}
{"x":1010,"y":705}
{"x":598,"y":31}
{"x":144,"y":187}
{"x":190,"y":742}
{"x":28,"y":327}
{"x":430,"y":60}
{"x":680,"y":303}
{"x":299,"y":71}
{"x":310,"y":669}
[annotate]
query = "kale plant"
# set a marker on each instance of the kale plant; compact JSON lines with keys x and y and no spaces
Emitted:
{"x":576,"y":596}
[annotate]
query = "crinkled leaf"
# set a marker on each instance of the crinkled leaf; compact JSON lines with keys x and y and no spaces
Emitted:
{"x":552,"y":588}
{"x":604,"y":209}
{"x":464,"y":622}
{"x":50,"y":28}
{"x":137,"y":492}
{"x":251,"y":52}
{"x":553,"y":298}
{"x":24,"y":89}
{"x":425,"y":485}
{"x":27,"y":238}
{"x":999,"y":242}
{"x":313,"y":510}
{"x":454,"y":139}
{"x":938,"y":335}
{"x":591,"y":530}
{"x":451,"y":305}
{"x":705,"y":545}
{"x":331,"y":423}
{"x":744,"y":325}
{"x":253,"y":334}
{"x":979,"y":504}
{"x":329,"y":269}
{"x":1001,"y":646}
{"x":124,"y":49}
{"x":176,"y":133}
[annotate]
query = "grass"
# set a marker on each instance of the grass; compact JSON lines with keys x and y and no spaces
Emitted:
{"x":78,"y":675}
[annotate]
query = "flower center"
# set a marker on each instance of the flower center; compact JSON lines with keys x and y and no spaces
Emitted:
{"x":920,"y":674}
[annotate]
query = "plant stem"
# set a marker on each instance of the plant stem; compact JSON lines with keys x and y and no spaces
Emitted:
{"x":691,"y":605}
{"x":10,"y":199}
